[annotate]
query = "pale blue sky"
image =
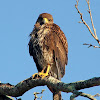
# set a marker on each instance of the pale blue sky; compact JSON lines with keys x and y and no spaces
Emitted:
{"x":17,"y":19}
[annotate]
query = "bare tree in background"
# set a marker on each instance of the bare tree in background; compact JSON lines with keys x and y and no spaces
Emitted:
{"x":7,"y":90}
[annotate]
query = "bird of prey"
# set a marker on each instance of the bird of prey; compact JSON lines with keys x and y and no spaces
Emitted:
{"x":49,"y":48}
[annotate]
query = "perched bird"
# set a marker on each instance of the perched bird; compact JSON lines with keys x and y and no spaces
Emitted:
{"x":49,"y":48}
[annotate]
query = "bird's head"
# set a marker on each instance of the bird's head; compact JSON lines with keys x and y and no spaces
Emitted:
{"x":44,"y":18}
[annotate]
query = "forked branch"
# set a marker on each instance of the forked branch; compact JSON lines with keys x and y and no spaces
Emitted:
{"x":83,"y":21}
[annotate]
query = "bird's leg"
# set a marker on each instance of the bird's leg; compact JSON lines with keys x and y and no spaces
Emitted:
{"x":42,"y":74}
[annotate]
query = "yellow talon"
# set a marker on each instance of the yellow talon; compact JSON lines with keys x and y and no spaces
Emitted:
{"x":42,"y":74}
{"x":34,"y":75}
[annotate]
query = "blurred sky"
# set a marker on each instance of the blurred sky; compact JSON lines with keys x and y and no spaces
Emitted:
{"x":17,"y":19}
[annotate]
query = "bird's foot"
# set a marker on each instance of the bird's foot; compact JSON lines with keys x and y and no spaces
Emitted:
{"x":34,"y":75}
{"x":42,"y":74}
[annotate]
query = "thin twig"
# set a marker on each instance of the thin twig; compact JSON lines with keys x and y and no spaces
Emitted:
{"x":83,"y":21}
{"x":88,"y":96}
{"x":90,"y":45}
{"x":36,"y":93}
{"x":88,"y":2}
{"x":76,"y":94}
{"x":97,"y":95}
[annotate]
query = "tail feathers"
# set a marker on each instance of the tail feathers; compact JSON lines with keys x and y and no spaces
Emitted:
{"x":57,"y":96}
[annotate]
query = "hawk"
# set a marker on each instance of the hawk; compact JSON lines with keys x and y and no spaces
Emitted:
{"x":49,"y":48}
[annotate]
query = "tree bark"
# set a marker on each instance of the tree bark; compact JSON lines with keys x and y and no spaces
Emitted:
{"x":23,"y":86}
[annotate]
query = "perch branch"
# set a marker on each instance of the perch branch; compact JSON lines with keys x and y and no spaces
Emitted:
{"x":23,"y":86}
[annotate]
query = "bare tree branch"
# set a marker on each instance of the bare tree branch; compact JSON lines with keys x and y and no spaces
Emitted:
{"x":88,"y":2}
{"x":83,"y":21}
{"x":23,"y":86}
{"x":36,"y":93}
{"x":90,"y":45}
{"x":76,"y":94}
{"x":97,"y":95}
{"x":5,"y":97}
{"x":88,"y":96}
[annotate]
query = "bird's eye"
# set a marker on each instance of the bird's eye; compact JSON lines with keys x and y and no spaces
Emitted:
{"x":49,"y":19}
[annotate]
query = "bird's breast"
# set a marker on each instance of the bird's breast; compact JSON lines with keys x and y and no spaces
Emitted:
{"x":40,"y":50}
